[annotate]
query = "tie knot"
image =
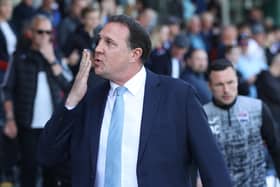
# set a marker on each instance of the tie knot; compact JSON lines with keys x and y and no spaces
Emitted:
{"x":120,"y":90}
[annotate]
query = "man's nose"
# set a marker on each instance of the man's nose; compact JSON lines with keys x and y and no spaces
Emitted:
{"x":226,"y":88}
{"x":99,"y":47}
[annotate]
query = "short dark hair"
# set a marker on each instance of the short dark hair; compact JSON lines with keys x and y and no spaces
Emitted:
{"x":219,"y":65}
{"x":138,"y":36}
{"x":190,"y":53}
{"x":85,"y":11}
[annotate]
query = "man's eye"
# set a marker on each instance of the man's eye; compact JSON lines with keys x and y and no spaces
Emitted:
{"x":109,"y":42}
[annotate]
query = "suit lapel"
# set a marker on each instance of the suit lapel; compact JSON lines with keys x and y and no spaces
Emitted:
{"x":95,"y":111}
{"x":150,"y":109}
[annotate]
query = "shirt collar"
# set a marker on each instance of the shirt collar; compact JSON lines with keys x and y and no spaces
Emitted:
{"x":134,"y":84}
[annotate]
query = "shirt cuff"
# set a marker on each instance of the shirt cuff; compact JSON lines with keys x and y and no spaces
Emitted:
{"x":69,"y":107}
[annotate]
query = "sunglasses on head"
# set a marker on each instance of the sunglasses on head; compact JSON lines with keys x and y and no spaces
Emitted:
{"x":39,"y":31}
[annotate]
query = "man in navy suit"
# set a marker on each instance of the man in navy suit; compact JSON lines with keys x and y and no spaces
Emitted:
{"x":164,"y":127}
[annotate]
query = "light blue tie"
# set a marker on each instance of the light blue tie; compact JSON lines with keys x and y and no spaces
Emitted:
{"x":114,"y":142}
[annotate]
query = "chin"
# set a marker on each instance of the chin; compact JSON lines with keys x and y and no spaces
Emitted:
{"x":227,"y":102}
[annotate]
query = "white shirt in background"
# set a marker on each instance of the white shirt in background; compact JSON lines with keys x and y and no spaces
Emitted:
{"x":43,"y":102}
{"x":11,"y":40}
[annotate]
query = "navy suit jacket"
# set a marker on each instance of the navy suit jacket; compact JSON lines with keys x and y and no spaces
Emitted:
{"x":161,"y":63}
{"x":174,"y":131}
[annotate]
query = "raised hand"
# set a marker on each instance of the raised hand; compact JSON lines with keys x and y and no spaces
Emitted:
{"x":47,"y":51}
{"x":79,"y":87}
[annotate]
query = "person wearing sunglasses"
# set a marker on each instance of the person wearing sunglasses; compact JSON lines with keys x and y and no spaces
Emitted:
{"x":34,"y":84}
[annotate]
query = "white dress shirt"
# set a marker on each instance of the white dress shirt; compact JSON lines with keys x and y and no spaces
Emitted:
{"x":175,"y":69}
{"x":10,"y":37}
{"x":43,"y":102}
{"x":133,"y":102}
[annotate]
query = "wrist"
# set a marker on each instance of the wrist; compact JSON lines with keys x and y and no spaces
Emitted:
{"x":71,"y":102}
{"x":9,"y":115}
{"x":53,"y":62}
{"x":10,"y":119}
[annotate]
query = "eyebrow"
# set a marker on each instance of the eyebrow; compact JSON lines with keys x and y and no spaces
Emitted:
{"x":105,"y":37}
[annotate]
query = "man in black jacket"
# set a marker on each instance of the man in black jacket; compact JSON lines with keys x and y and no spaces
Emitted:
{"x":241,"y":125}
{"x":35,"y":83}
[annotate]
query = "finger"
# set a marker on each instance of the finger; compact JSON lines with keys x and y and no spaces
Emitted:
{"x":88,"y":63}
{"x":14,"y":133}
{"x":81,"y":67}
{"x":85,"y":67}
{"x":84,"y":59}
{"x":8,"y":132}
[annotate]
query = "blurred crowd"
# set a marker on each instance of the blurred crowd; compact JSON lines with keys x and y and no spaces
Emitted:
{"x":41,"y":47}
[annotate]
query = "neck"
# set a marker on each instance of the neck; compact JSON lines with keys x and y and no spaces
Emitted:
{"x":274,"y":71}
{"x":127,"y":77}
{"x":89,"y":31}
{"x":224,"y":106}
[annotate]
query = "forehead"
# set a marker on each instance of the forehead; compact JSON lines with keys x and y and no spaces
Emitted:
{"x":92,"y":14}
{"x":42,"y":24}
{"x":5,"y":2}
{"x":223,"y":75}
{"x":199,"y":53}
{"x":115,"y":31}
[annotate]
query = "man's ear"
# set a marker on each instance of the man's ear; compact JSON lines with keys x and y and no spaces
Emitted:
{"x":136,"y":54}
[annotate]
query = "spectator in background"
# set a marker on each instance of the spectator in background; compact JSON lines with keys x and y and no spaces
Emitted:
{"x":84,"y":37}
{"x":257,"y":43}
{"x":244,"y":29}
{"x":160,"y":40}
{"x":228,"y":37}
{"x":194,"y":33}
{"x":50,"y":9}
{"x":22,"y":15}
{"x":173,"y":23}
{"x":8,"y":42}
{"x":272,"y":44}
{"x":241,"y":125}
{"x":251,"y":62}
{"x":70,"y":23}
{"x":34,"y":85}
{"x":255,"y":16}
{"x":194,"y":73}
{"x":177,"y":8}
{"x":268,"y":87}
{"x":171,"y":62}
{"x":233,"y":54}
{"x":148,"y":19}
{"x":208,"y":32}
{"x":107,"y":8}
{"x":8,"y":38}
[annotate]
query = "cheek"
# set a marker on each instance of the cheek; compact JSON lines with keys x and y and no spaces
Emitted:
{"x":217,"y":93}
